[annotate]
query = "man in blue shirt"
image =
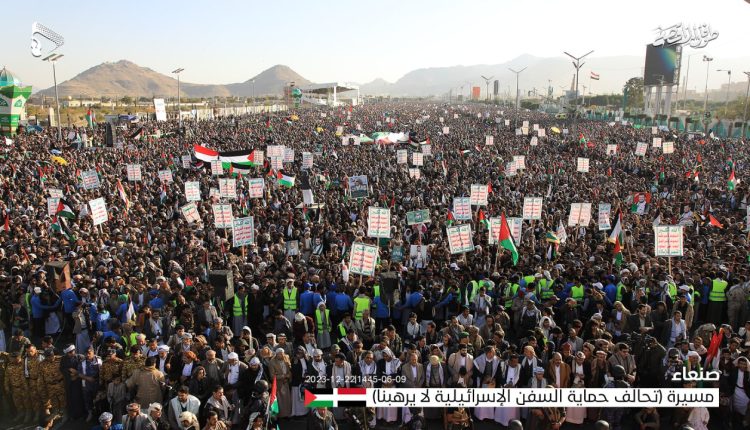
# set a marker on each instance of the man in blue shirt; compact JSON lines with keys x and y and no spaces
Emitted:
{"x":69,"y":301}
{"x":37,"y":312}
{"x":306,"y":301}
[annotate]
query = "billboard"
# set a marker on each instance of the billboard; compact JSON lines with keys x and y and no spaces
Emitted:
{"x":662,"y":62}
{"x":475,"y":93}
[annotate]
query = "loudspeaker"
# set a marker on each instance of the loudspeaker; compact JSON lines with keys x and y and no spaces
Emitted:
{"x":388,"y":284}
{"x":58,"y":274}
{"x":223,"y":283}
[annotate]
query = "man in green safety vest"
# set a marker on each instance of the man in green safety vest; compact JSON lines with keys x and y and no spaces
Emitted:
{"x":467,"y":292}
{"x":323,"y":325}
{"x":717,"y":299}
{"x":237,"y":305}
{"x":289,"y":296}
{"x":545,"y":287}
{"x":361,"y":302}
{"x":511,"y":289}
{"x":577,"y":292}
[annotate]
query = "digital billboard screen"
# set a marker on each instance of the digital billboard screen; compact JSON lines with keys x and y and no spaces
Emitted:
{"x":662,"y":62}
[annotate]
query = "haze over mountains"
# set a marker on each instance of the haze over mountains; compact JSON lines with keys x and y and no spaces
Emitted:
{"x":126,"y":78}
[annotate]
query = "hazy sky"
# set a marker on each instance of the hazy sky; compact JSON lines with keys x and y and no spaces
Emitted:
{"x":230,"y":41}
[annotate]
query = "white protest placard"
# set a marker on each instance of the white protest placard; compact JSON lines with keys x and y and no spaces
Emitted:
{"x":307,"y":160}
{"x":524,"y":131}
{"x":55,"y":192}
{"x":580,"y":214}
{"x":426,"y":150}
{"x":378,"y":222}
{"x":52,"y":203}
{"x":441,"y":119}
{"x":511,"y":169}
{"x":323,"y":114}
{"x":603,"y":218}
{"x":288,"y":155}
{"x":90,"y":179}
{"x":402,"y":156}
{"x":165,"y":176}
{"x":446,"y":130}
{"x":193,"y":191}
{"x":213,"y":193}
{"x":275,"y":151}
{"x":417,"y":159}
{"x":98,"y":211}
{"x":134,"y":172}
{"x":582,"y":165}
{"x":378,"y":123}
{"x":478,"y":196}
{"x":461,"y":208}
{"x":243,"y":232}
{"x":519,"y":161}
{"x":228,"y":188}
{"x":489,"y":140}
{"x":455,"y":116}
{"x":217,"y":168}
{"x":667,"y":147}
{"x":541,"y":132}
{"x":187,"y":161}
{"x":258,"y":156}
{"x":459,"y":239}
{"x":255,"y":188}
{"x":506,"y":122}
{"x":532,"y":207}
{"x":534,"y":141}
{"x":640,"y":149}
{"x":668,"y":241}
{"x":340,"y":129}
{"x":516,"y":229}
{"x":495,"y":224}
{"x":518,"y":132}
{"x":362,"y":259}
{"x":190,"y":212}
{"x":160,"y":110}
{"x":535,"y":127}
{"x":277,"y":163}
{"x":414,"y":173}
{"x":656,"y":142}
{"x":654,"y":130}
{"x":222,"y":215}
{"x":611,"y":149}
{"x":565,"y":131}
{"x":525,"y":124}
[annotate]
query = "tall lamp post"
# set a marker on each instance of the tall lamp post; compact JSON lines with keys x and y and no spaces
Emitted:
{"x":577,"y":64}
{"x":729,"y":84}
{"x":518,"y":107}
{"x":744,"y":116}
{"x":53,"y":58}
{"x":253,"y":81}
{"x":708,"y":61}
{"x":179,"y":106}
{"x":487,"y":87}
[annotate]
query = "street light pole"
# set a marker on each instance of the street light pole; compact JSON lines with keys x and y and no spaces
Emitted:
{"x":518,"y":107}
{"x":729,"y":84}
{"x":253,"y":81}
{"x":487,"y":87}
{"x":744,"y":116}
{"x":53,"y":59}
{"x":179,"y":106}
{"x":577,"y":64}
{"x":708,"y":61}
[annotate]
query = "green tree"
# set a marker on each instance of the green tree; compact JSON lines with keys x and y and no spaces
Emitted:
{"x":633,"y":90}
{"x":127,"y":100}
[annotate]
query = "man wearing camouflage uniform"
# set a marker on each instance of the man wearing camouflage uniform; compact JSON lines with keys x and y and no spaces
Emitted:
{"x":111,"y":368}
{"x":133,"y":362}
{"x":33,"y":373}
{"x":16,"y":386}
{"x":52,"y":382}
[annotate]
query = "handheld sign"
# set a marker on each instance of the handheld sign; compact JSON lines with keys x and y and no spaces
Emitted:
{"x":667,"y":147}
{"x":255,"y":188}
{"x":534,"y":141}
{"x":580,"y":214}
{"x":307,"y":160}
{"x":187,"y":161}
{"x":288,"y":155}
{"x":414,"y":173}
{"x":656,"y":142}
{"x":90,"y":179}
{"x":446,"y":130}
{"x":668,"y":241}
{"x":55,"y":192}
{"x":459,"y":239}
{"x":532,"y":208}
{"x":192,"y":191}
{"x":378,"y":222}
{"x":190,"y":212}
{"x":228,"y":188}
{"x":243,"y":232}
{"x":52,"y":203}
{"x":362,"y":259}
{"x":417,"y":159}
{"x":611,"y":149}
{"x":165,"y":176}
{"x":582,"y":165}
{"x":462,"y":208}
{"x":402,"y":156}
{"x":516,"y":229}
{"x":222,"y":215}
{"x":603,"y":218}
{"x":541,"y":132}
{"x":217,"y":169}
{"x":421,"y":216}
{"x":640,"y":149}
{"x":489,"y":140}
{"x":495,"y":224}
{"x":478,"y":195}
{"x":519,"y":161}
{"x":98,"y":211}
{"x":134,"y":172}
{"x":427,"y":150}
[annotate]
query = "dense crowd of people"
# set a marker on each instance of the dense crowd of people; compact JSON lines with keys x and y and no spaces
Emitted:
{"x":133,"y":333}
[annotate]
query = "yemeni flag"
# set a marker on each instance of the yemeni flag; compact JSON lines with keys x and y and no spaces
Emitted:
{"x":273,"y":402}
{"x":732,"y":182}
{"x":90,"y":118}
{"x":205,"y":154}
{"x":123,"y":194}
{"x":506,"y":240}
{"x":64,"y":210}
{"x":594,"y":76}
{"x":285,"y":180}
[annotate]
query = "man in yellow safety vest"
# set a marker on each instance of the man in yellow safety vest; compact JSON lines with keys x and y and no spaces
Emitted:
{"x":290,"y":303}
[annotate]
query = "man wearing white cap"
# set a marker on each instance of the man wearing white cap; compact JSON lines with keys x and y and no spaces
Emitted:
{"x":183,"y":402}
{"x":163,"y":360}
{"x":234,"y":371}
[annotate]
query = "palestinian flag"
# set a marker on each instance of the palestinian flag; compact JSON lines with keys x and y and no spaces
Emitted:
{"x":137,"y":134}
{"x":483,"y":219}
{"x":90,"y":118}
{"x":60,"y":225}
{"x":449,"y":220}
{"x":617,"y":251}
{"x":732,"y":182}
{"x":242,"y":157}
{"x":123,"y":194}
{"x":616,"y":234}
{"x":285,"y":180}
{"x":237,"y":169}
{"x":273,"y":402}
{"x":506,"y":239}
{"x":64,"y":210}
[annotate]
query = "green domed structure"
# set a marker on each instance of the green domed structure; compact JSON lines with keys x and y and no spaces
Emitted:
{"x":13,"y":96}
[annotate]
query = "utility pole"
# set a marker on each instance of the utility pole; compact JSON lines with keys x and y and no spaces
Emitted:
{"x":487,"y":87}
{"x":708,"y":61}
{"x":577,"y":64}
{"x":729,"y":84}
{"x":518,"y":106}
{"x":179,"y":106}
{"x":744,"y":116}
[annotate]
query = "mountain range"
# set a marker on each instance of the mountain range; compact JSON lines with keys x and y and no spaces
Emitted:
{"x":126,"y":78}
